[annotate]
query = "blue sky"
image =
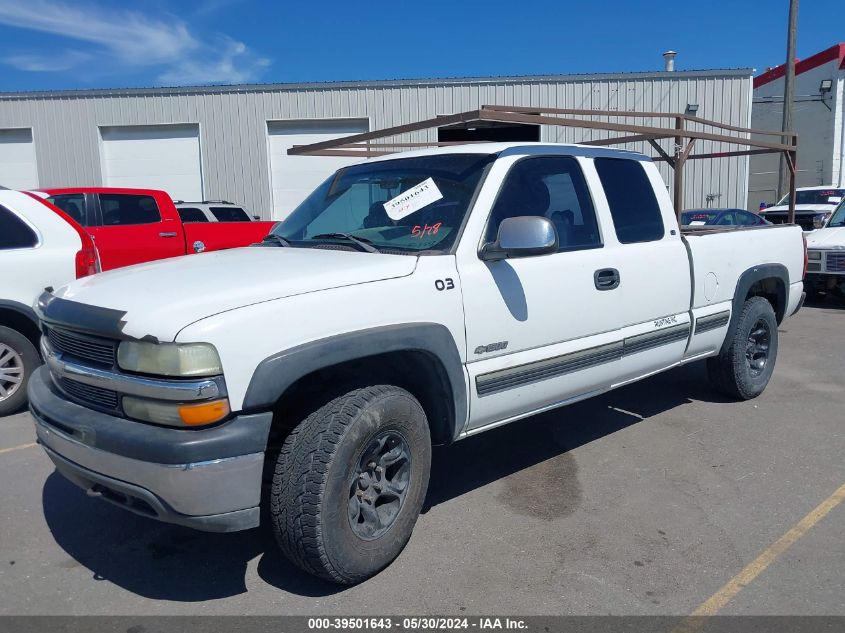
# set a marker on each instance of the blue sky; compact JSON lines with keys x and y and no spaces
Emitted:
{"x":55,"y":44}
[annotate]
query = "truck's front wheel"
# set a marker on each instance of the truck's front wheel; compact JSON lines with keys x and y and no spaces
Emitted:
{"x":746,"y":363}
{"x":349,"y":483}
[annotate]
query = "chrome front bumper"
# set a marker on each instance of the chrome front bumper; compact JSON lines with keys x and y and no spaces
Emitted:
{"x":137,"y":466}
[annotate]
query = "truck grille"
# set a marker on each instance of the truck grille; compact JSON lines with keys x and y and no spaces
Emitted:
{"x":806,"y":223}
{"x":87,"y":394}
{"x":96,"y":350}
{"x":781,"y":217}
{"x":836,"y":262}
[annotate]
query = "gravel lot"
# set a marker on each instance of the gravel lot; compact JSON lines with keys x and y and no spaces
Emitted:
{"x":644,"y":501}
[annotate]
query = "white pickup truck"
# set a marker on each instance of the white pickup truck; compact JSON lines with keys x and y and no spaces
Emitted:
{"x":826,"y":257}
{"x":813,"y":207}
{"x":415,"y":299}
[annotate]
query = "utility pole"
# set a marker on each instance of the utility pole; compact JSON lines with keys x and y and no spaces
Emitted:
{"x":788,"y":93}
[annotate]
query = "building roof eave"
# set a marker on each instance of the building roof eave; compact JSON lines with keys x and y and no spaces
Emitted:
{"x":835,"y":52}
{"x":376,"y":83}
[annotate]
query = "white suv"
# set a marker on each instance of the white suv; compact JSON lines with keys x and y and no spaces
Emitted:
{"x":40,"y":247}
{"x":212,"y":211}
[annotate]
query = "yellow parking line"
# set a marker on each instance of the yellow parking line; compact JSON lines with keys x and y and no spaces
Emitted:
{"x":728,"y":592}
{"x":17,"y":448}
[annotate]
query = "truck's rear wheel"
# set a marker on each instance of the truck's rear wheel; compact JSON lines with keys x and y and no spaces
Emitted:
{"x":18,"y":359}
{"x":746,"y":363}
{"x":349,"y":483}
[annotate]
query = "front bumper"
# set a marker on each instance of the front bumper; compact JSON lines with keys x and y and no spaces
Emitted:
{"x":208,"y":479}
{"x":824,"y":281}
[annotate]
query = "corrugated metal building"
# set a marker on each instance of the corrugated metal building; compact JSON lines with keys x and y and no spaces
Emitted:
{"x":230,"y":142}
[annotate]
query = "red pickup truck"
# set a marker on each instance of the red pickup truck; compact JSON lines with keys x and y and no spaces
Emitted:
{"x":130,"y":226}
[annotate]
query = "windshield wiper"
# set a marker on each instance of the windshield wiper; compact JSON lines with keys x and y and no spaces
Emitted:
{"x":362,"y":242}
{"x":277,"y":240}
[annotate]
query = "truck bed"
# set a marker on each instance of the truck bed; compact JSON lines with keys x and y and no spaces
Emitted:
{"x":719,"y":255}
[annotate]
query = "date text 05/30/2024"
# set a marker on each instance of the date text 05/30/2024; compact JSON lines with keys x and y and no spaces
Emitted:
{"x":417,"y":624}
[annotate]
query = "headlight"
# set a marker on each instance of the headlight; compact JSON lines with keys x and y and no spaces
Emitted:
{"x":814,"y":254}
{"x":169,"y":359}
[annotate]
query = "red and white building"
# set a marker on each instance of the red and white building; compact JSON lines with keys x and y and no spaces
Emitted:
{"x":817,"y":118}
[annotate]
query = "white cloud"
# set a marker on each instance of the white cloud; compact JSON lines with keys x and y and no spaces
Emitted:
{"x":122,"y":40}
{"x":235,"y":64}
{"x":213,"y":6}
{"x":46,"y":63}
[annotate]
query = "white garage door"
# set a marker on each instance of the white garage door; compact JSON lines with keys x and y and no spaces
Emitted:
{"x":153,"y":157}
{"x":294,"y":177}
{"x":17,"y":159}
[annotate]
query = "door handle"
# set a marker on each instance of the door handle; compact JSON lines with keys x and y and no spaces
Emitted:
{"x":167,"y":234}
{"x":606,"y":279}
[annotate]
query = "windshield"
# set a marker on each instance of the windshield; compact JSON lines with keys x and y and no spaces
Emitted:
{"x":838,"y":217}
{"x":692,"y":218}
{"x":814,"y":196}
{"x":406,"y":205}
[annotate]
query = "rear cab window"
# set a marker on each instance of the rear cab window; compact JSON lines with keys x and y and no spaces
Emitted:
{"x":14,"y":232}
{"x":230,"y":214}
{"x":191,"y":214}
{"x":73,"y":204}
{"x":633,"y":206}
{"x":121,"y":209}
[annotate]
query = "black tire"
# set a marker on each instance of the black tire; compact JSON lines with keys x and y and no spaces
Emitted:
{"x":746,"y":363}
{"x":321,"y":481}
{"x":29,"y":359}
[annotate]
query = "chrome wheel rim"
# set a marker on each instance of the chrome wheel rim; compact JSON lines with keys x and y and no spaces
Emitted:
{"x":379,"y":485}
{"x":757,"y":348}
{"x":11,"y":372}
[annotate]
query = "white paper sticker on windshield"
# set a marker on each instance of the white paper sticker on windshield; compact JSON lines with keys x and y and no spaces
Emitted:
{"x":413,"y":200}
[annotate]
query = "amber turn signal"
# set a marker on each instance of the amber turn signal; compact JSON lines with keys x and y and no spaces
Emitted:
{"x":203,"y":413}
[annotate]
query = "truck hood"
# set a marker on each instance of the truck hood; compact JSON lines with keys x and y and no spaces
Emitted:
{"x":161,"y":298}
{"x":827,"y":238}
{"x":800,"y":208}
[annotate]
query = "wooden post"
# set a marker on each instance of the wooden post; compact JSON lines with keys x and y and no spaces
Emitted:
{"x":788,"y":92}
{"x":791,"y":163}
{"x":679,"y":170}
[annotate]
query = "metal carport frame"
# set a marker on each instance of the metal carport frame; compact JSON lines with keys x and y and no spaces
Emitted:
{"x":361,"y":145}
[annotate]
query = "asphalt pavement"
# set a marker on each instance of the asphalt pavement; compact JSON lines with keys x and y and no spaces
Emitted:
{"x":647,"y":500}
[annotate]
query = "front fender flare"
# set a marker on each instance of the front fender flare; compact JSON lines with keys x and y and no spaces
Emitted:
{"x":276,"y":373}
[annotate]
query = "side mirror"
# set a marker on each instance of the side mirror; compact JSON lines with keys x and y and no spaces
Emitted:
{"x":256,"y":217}
{"x":522,"y":237}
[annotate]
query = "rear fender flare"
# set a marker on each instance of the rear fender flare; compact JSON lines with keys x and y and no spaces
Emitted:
{"x":743,"y":286}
